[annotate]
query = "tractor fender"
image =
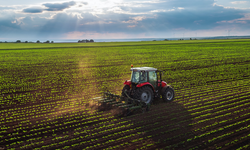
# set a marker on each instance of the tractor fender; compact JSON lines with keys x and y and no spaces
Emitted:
{"x":127,"y":82}
{"x":163,"y":84}
{"x":145,"y":84}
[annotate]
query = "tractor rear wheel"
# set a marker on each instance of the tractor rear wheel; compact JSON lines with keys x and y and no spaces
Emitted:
{"x":168,"y":94}
{"x":126,"y":87}
{"x":145,"y":94}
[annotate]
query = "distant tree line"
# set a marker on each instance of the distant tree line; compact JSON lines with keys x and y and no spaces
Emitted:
{"x":19,"y":41}
{"x":85,"y":41}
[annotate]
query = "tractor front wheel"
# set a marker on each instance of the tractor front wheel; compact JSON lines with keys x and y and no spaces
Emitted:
{"x":145,"y":94}
{"x":168,"y":94}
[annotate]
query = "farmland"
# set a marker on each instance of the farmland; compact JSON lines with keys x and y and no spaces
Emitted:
{"x":46,"y":88}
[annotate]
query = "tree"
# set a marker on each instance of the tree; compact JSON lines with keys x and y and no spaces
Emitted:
{"x":190,"y":38}
{"x":26,"y":41}
{"x":18,"y":41}
{"x":52,"y":41}
{"x":37,"y":41}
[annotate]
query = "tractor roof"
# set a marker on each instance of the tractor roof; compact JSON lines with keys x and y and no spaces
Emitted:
{"x":143,"y":69}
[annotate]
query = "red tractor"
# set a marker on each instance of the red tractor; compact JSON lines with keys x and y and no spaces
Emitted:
{"x":138,"y":93}
{"x":146,"y":83}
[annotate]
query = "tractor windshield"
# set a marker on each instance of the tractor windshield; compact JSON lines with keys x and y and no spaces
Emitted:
{"x":137,"y":76}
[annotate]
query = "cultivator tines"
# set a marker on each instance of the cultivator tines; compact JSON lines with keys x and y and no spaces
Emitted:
{"x":123,"y":106}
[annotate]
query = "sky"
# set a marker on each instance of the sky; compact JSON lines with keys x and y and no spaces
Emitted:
{"x":121,"y":19}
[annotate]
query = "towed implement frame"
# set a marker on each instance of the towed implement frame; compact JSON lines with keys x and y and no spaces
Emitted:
{"x":122,"y":105}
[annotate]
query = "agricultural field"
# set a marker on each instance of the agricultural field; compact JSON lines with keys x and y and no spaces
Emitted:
{"x":46,"y":88}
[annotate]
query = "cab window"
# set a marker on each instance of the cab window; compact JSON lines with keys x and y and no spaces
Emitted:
{"x":152,"y":76}
{"x":144,"y":76}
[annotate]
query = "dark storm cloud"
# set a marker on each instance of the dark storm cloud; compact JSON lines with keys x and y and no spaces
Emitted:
{"x":50,"y":7}
{"x":59,"y":6}
{"x":33,"y":10}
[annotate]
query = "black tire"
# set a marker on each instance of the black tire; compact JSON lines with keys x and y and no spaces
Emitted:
{"x":168,"y":94}
{"x":145,"y":94}
{"x":126,"y":87}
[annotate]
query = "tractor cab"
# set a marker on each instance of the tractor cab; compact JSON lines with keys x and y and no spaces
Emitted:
{"x":144,"y":74}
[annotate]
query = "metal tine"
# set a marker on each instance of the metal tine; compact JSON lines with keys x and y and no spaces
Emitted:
{"x":97,"y":98}
{"x":102,"y":99}
{"x":112,"y":97}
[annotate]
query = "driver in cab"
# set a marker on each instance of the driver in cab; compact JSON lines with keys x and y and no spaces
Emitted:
{"x":143,"y":77}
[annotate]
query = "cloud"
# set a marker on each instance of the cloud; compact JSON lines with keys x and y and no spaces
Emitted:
{"x":8,"y":24}
{"x":243,"y":20}
{"x":33,"y":10}
{"x":193,"y":19}
{"x":58,"y":6}
{"x":5,"y":7}
{"x":50,"y":7}
{"x":236,"y":4}
{"x":84,"y":3}
{"x":239,"y":2}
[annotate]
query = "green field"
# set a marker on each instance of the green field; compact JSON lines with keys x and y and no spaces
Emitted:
{"x":45,"y":89}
